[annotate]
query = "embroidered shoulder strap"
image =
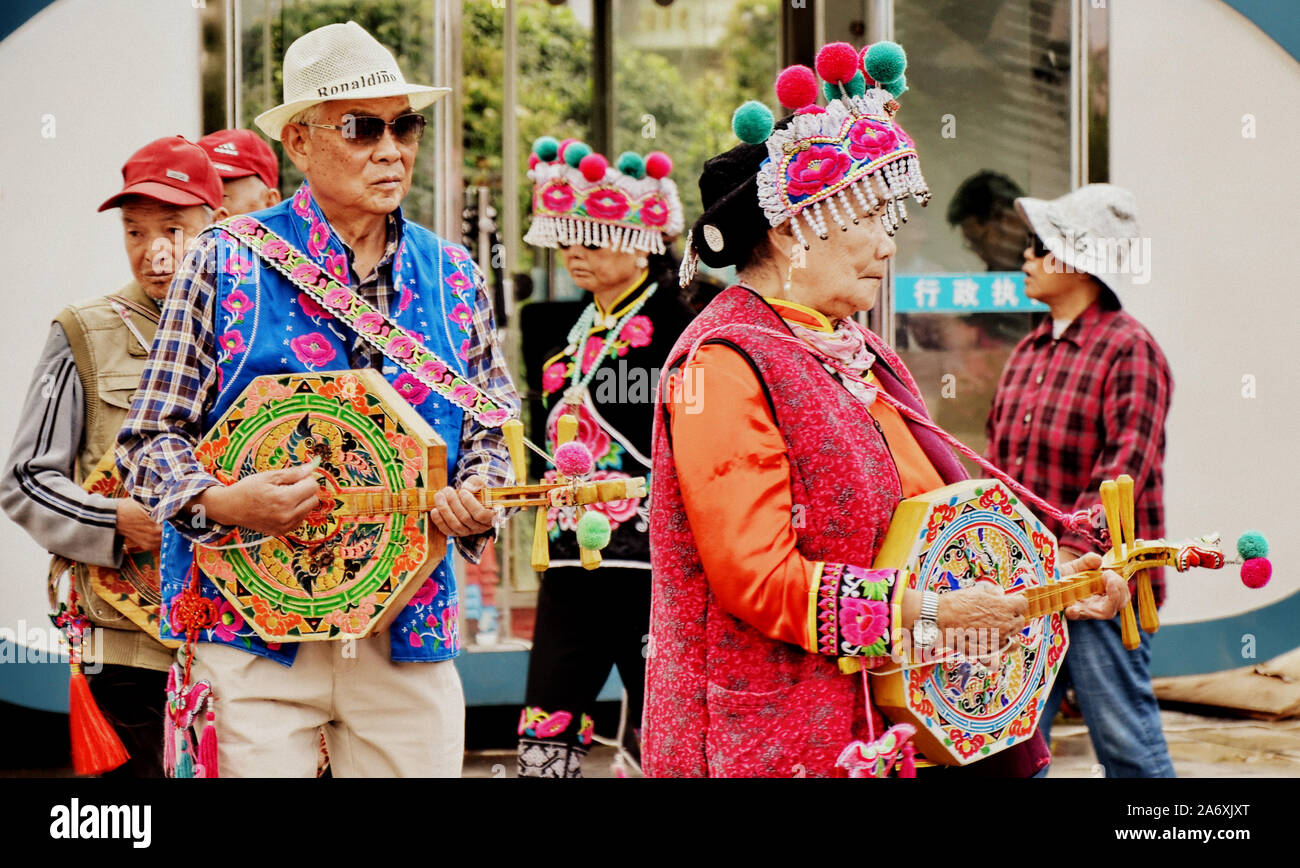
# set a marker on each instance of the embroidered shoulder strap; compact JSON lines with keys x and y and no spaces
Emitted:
{"x":376,"y":329}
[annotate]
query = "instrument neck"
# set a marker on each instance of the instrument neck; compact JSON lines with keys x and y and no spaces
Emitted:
{"x":1047,"y":599}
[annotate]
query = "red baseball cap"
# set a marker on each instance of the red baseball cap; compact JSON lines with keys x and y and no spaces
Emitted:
{"x":240,"y":153}
{"x":172,"y":170}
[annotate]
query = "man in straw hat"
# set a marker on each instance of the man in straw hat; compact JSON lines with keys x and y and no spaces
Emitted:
{"x":1083,"y":399}
{"x":391,"y":704}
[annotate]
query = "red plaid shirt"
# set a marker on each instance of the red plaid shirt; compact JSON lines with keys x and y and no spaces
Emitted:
{"x":1073,"y":412}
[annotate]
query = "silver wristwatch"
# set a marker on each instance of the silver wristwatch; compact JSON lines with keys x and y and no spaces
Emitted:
{"x":925,"y":631}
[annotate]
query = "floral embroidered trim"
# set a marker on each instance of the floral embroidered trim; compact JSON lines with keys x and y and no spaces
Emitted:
{"x":387,"y":337}
{"x":853,"y":614}
{"x":535,"y":722}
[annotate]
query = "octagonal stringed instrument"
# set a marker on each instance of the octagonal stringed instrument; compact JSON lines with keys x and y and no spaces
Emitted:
{"x":978,"y":531}
{"x":358,"y":558}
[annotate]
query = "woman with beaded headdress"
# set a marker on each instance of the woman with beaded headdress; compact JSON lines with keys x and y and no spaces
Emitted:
{"x":612,"y":225}
{"x":787,"y":436}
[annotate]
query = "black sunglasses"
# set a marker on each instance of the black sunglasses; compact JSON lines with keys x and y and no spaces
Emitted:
{"x":367,"y":130}
{"x":1040,"y":249}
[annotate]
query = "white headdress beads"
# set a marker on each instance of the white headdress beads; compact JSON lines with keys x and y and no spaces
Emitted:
{"x":851,"y":155}
{"x":578,"y":198}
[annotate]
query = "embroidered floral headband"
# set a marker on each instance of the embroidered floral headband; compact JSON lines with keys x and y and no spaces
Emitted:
{"x":578,"y":198}
{"x":845,"y":159}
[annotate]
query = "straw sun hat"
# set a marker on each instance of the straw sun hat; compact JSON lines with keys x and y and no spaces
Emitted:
{"x":340,"y":61}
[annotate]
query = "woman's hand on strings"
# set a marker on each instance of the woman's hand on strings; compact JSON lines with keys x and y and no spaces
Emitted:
{"x":459,"y":512}
{"x":978,"y":621}
{"x":1099,"y":607}
{"x":273,"y":502}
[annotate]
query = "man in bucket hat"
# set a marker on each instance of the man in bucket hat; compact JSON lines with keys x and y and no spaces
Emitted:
{"x":75,"y":405}
{"x":1083,"y":399}
{"x":391,"y":704}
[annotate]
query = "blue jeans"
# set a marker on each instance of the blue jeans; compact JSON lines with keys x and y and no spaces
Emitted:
{"x":1113,"y":686}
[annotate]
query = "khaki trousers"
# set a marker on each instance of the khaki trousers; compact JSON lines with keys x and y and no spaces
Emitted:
{"x":380,"y":718}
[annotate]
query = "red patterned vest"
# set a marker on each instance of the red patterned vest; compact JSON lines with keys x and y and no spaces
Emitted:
{"x":722,"y":699}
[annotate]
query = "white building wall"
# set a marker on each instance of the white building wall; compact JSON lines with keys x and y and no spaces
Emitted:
{"x":1187,"y":77}
{"x":104,"y":78}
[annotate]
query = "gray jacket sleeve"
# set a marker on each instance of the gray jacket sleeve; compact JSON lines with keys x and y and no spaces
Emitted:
{"x":37,"y":489}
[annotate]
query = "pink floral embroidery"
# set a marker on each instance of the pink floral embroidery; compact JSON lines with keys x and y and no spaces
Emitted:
{"x":868,"y":138}
{"x":458,"y":282}
{"x":451,"y":626}
{"x":302,"y":202}
{"x":229,"y":622}
{"x":607,"y":204}
{"x":309,"y":306}
{"x":319,"y":237}
{"x":557,"y":196}
{"x":238,"y":266}
{"x":337,"y":266}
{"x":815,"y":169}
{"x":434,"y":370}
{"x":338,"y":298}
{"x":232,"y":342}
{"x":456,"y":254}
{"x":638,"y":331}
{"x":553,"y":377}
{"x":862,"y":622}
{"x":307,"y":272}
{"x":411,"y":389}
{"x":427,"y":592}
{"x":595,"y":349}
{"x":401,"y":347}
{"x":370,"y":323}
{"x":617,"y":511}
{"x":464,"y":395}
{"x":238,"y":303}
{"x":405,"y":301}
{"x":492,"y":418}
{"x":463,"y":352}
{"x":275,"y":249}
{"x":462,"y":316}
{"x":243,"y":225}
{"x":312,"y":349}
{"x":590,"y":434}
{"x":654,"y":212}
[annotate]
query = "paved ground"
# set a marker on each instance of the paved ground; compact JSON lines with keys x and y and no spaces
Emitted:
{"x":1201,"y":747}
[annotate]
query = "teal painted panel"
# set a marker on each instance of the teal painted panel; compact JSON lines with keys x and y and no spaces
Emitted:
{"x":14,"y":14}
{"x":1279,"y":19}
{"x":41,"y":685}
{"x":1213,"y":646}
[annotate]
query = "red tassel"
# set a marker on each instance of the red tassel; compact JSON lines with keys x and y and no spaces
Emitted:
{"x":908,"y":767}
{"x":96,"y":749}
{"x":208,"y":748}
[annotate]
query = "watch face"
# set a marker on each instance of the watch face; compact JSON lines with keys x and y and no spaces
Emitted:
{"x":927,"y":633}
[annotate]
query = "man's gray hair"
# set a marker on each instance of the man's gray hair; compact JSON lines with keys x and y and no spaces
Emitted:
{"x":309,"y":115}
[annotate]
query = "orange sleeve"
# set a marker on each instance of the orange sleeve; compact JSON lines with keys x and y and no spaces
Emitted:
{"x":735,"y":481}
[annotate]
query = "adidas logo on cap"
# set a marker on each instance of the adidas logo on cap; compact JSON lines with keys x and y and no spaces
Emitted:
{"x":227,"y":148}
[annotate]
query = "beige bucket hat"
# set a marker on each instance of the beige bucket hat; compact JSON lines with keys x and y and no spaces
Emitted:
{"x":340,"y":61}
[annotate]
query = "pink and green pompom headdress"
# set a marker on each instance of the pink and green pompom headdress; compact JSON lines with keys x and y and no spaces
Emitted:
{"x":579,"y":198}
{"x":847,"y":157}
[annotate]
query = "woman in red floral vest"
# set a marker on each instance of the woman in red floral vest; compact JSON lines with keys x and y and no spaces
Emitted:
{"x":776,"y":470}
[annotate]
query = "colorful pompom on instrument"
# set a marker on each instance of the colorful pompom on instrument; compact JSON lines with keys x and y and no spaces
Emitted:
{"x":1256,"y":568}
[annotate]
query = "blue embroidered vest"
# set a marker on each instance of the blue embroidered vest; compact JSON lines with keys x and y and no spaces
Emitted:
{"x":264,"y":325}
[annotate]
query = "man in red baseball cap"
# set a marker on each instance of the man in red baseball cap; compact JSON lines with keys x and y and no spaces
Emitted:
{"x":248,"y":169}
{"x":75,"y":405}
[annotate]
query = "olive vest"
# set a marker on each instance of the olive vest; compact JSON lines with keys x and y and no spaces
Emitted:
{"x":110,"y":360}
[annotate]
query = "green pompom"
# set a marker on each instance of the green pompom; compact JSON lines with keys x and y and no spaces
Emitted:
{"x":593,"y":530}
{"x":897,"y":87}
{"x":753,"y":123}
{"x":855,"y":86}
{"x":885,"y":61}
{"x":1252,"y":544}
{"x":574,"y":153}
{"x":631,"y":164}
{"x":546,"y":148}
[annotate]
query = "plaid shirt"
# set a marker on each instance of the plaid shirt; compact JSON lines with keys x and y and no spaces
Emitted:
{"x":155,"y":448}
{"x":1073,"y":412}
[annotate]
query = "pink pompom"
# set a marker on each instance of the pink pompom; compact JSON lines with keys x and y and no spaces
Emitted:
{"x":559,"y":154}
{"x":658,"y":164}
{"x":862,"y":66}
{"x":593,"y":167}
{"x":574,"y":459}
{"x":837,"y":62}
{"x":1256,"y":572}
{"x":533,"y":160}
{"x":796,"y":87}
